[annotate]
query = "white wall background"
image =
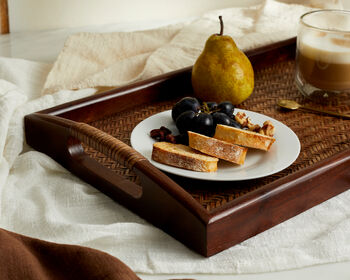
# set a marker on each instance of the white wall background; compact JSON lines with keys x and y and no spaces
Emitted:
{"x":51,"y":14}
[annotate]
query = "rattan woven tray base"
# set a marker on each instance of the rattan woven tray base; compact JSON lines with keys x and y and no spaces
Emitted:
{"x":320,"y":136}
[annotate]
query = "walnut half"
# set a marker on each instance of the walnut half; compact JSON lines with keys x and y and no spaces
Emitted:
{"x":245,"y":122}
{"x":267,"y":129}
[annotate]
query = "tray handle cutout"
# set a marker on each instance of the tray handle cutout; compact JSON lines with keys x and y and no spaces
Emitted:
{"x":62,"y":139}
{"x":106,"y":144}
{"x":109,"y":146}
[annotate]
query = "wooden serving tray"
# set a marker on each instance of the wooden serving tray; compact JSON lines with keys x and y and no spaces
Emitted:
{"x":90,"y":137}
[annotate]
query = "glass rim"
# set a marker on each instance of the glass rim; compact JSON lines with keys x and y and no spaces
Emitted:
{"x":324,"y":29}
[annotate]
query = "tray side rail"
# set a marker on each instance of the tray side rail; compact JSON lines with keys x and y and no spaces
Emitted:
{"x":163,"y":87}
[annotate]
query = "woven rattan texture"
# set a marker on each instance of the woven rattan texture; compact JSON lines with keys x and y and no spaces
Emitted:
{"x":320,"y":136}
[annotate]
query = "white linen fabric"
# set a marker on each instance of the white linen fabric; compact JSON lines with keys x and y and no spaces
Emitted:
{"x":39,"y":198}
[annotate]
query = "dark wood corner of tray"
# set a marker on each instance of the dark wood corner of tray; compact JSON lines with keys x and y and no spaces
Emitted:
{"x":278,"y":201}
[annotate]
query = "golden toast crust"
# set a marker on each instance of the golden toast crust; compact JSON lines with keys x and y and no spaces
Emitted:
{"x":244,"y":138}
{"x":183,"y":156}
{"x":217,"y":148}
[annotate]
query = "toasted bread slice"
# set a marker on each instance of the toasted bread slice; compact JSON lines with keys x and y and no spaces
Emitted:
{"x":217,"y":148}
{"x":243,"y":137}
{"x":184,"y":157}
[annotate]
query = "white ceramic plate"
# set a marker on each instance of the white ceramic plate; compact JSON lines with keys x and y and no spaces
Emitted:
{"x":283,"y":152}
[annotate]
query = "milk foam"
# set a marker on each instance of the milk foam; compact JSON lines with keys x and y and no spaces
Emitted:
{"x":326,"y":47}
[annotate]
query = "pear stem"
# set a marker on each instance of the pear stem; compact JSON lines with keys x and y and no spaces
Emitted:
{"x":221,"y":26}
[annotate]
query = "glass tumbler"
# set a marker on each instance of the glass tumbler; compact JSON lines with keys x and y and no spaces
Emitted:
{"x":323,"y":55}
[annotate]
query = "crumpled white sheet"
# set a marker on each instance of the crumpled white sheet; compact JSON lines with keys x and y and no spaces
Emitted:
{"x":39,"y":198}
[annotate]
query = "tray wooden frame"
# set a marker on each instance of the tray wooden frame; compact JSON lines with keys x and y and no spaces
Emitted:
{"x":60,"y":131}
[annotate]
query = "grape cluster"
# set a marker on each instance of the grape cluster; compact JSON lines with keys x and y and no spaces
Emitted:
{"x":189,"y":114}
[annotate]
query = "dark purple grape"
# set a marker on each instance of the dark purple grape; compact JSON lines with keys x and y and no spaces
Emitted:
{"x":203,"y":123}
{"x":235,"y":124}
{"x":227,"y":108}
{"x":231,"y":114}
{"x":185,"y":121}
{"x":221,"y":118}
{"x":185,"y":104}
{"x":212,"y":105}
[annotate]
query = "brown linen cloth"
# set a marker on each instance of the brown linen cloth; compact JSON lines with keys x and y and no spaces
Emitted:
{"x":26,"y":258}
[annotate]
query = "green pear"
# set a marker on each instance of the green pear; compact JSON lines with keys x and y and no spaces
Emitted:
{"x":222,"y":72}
